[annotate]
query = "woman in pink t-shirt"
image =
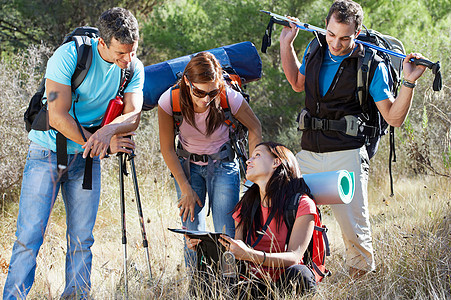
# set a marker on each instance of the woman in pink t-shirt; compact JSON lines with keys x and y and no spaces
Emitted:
{"x":197,"y":163}
{"x":276,"y":175}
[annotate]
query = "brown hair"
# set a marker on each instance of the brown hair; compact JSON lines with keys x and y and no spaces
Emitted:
{"x":202,"y":68}
{"x":347,"y":12}
{"x":284,"y":183}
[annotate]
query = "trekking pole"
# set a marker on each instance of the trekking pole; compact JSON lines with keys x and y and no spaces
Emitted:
{"x":140,"y":212}
{"x":435,"y":67}
{"x":124,"y":230}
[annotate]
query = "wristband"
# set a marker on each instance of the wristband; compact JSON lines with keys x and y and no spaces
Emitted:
{"x":408,"y":84}
{"x":264,"y":258}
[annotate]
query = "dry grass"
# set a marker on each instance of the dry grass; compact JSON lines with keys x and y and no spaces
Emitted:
{"x":411,"y":230}
{"x":411,"y":239}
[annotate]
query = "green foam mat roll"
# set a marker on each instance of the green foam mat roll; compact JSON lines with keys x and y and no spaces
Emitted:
{"x":334,"y":187}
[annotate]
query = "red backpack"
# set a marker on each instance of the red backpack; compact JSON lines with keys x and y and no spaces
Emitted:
{"x":318,"y":249}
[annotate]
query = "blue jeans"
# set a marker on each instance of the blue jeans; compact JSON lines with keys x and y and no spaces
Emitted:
{"x":40,"y":187}
{"x":223,"y":188}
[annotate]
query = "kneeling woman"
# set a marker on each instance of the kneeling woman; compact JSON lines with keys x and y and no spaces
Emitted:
{"x":272,"y":258}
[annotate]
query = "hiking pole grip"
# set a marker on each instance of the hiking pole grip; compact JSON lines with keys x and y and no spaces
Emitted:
{"x":281,"y":22}
{"x":435,"y":67}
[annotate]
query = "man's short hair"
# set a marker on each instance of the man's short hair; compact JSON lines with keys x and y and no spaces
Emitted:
{"x":119,"y":23}
{"x":347,"y":12}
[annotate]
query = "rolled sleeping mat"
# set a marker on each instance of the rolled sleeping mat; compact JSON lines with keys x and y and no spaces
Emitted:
{"x":242,"y":57}
{"x":334,"y":187}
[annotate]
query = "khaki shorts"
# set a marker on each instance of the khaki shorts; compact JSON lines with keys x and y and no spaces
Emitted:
{"x":353,"y":218}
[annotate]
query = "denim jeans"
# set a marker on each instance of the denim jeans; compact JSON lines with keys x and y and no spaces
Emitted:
{"x":40,"y":188}
{"x":223,"y":188}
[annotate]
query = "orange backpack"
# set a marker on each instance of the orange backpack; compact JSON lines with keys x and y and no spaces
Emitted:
{"x":237,"y":131}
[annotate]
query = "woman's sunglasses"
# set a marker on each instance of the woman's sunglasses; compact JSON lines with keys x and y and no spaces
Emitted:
{"x":202,"y":94}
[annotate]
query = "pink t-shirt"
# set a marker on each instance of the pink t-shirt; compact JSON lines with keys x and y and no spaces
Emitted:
{"x":195,"y":141}
{"x":274,"y":241}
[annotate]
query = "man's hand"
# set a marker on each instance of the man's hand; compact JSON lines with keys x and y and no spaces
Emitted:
{"x":98,"y":143}
{"x":412,"y":71}
{"x":289,"y":34}
{"x":122,"y":143}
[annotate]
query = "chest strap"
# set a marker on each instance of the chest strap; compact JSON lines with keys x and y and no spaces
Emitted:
{"x":350,"y":125}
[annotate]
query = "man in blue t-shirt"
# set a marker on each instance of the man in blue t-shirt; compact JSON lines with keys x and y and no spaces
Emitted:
{"x":113,"y":51}
{"x":329,"y":79}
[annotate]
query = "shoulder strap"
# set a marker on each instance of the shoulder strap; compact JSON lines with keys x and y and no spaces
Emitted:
{"x":176,"y":110}
{"x":290,"y":212}
{"x":126,"y":78}
{"x":225,"y":105}
{"x":363,"y":79}
{"x":313,"y":46}
{"x":84,"y":59}
{"x":264,"y":228}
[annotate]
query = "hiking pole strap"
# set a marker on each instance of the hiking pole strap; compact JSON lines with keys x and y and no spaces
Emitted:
{"x":392,"y":158}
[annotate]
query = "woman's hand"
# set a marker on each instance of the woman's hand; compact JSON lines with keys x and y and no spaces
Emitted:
{"x":187,"y":203}
{"x":191,"y":243}
{"x":237,"y":247}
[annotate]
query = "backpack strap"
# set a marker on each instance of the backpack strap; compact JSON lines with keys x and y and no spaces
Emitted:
{"x":363,"y":79}
{"x":314,"y":45}
{"x":84,"y":59}
{"x":264,"y":228}
{"x":126,"y":78}
{"x":290,"y":212}
{"x":176,"y":110}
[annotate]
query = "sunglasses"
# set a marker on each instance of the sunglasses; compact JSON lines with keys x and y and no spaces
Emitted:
{"x":202,"y":94}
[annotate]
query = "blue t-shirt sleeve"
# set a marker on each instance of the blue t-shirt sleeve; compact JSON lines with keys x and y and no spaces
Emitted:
{"x":302,"y":67}
{"x":379,"y":87}
{"x":137,"y":83}
{"x":61,"y":65}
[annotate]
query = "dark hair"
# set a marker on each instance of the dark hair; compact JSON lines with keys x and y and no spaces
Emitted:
{"x":119,"y":23}
{"x":202,"y":68}
{"x":284,"y":183}
{"x":347,"y":12}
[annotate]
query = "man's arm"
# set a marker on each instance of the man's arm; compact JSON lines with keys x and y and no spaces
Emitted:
{"x":58,"y":109}
{"x":129,"y":120}
{"x":290,"y":62}
{"x":395,"y":111}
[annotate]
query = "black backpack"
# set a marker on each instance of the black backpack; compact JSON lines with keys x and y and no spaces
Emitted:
{"x":36,"y":116}
{"x":371,"y":119}
{"x":82,"y":37}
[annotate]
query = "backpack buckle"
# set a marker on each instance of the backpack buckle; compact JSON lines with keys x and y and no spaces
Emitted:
{"x":320,"y":124}
{"x":352,"y":125}
{"x":304,"y":120}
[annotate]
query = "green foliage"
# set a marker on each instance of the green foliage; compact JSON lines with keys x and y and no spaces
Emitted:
{"x":171,"y":29}
{"x":25,"y":22}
